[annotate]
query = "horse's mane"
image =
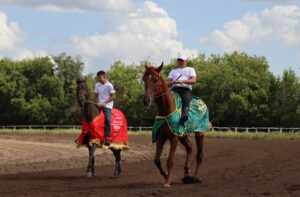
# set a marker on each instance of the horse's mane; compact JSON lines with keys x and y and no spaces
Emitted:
{"x":88,"y":108}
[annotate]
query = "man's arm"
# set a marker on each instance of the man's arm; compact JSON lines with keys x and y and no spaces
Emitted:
{"x":190,"y":81}
{"x":170,"y":81}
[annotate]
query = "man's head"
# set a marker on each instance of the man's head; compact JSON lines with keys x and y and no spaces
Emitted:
{"x":101,"y":75}
{"x":181,"y":61}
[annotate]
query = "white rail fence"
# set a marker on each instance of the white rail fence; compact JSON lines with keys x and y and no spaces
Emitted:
{"x":141,"y":128}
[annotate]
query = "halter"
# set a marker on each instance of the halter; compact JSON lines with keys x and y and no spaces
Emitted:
{"x":155,"y":84}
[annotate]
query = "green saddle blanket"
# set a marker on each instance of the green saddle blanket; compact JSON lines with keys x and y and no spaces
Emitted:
{"x":197,"y":122}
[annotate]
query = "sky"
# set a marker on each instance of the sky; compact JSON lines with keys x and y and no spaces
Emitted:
{"x":103,"y":31}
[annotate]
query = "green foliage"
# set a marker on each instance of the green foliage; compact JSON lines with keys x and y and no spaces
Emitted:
{"x":238,"y":88}
{"x":130,"y":91}
{"x":32,"y":92}
{"x":235,"y":87}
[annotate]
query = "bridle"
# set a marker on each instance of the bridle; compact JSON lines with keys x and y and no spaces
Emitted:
{"x":154,"y":94}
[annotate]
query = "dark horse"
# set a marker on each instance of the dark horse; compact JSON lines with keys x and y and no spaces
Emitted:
{"x":157,"y":90}
{"x":89,"y":111}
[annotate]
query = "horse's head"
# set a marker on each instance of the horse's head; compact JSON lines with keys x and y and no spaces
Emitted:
{"x":153,"y":82}
{"x":82,"y":91}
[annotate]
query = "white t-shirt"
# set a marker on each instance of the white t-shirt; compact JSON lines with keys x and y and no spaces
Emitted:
{"x":104,"y":92}
{"x":184,"y":73}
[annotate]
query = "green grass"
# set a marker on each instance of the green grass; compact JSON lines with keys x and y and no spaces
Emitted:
{"x":244,"y":135}
{"x":254,"y":136}
{"x":39,"y":131}
{"x":230,"y":134}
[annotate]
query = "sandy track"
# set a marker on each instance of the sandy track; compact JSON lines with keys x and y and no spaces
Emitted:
{"x":33,"y":153}
{"x":231,"y":168}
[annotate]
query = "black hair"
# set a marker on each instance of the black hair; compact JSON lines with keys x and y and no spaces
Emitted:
{"x":101,"y":72}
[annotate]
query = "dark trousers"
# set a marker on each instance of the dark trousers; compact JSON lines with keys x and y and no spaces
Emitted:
{"x":107,"y":115}
{"x":186,"y":96}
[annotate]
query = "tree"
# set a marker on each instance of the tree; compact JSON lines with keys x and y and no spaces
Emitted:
{"x":129,"y":96}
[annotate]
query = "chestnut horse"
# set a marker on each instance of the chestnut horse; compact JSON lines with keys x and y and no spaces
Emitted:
{"x":157,"y":90}
{"x":89,"y":111}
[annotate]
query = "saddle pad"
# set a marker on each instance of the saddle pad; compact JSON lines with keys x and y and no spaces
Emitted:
{"x":198,"y":120}
{"x":94,"y":131}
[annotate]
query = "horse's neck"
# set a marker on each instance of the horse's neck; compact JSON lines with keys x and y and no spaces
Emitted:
{"x":90,"y":110}
{"x":165,"y":103}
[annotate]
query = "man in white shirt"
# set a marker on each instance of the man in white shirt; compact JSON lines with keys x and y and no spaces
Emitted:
{"x":181,"y":79}
{"x":104,"y":94}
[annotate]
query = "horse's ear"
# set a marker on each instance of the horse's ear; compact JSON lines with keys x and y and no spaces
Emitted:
{"x":160,"y":67}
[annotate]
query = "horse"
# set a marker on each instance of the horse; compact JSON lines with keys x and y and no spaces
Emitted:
{"x":89,"y":111}
{"x":157,"y":90}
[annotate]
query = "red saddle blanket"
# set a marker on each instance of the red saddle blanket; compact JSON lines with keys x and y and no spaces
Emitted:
{"x":94,"y":132}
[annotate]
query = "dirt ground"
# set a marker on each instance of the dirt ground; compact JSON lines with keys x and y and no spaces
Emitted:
{"x":51,"y":166}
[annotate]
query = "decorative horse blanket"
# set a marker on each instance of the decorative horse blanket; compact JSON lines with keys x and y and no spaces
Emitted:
{"x":93,"y":133}
{"x":198,"y":120}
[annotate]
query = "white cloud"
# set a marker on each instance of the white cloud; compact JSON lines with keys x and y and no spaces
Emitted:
{"x":10,"y":34}
{"x":280,"y":23}
{"x":11,"y":41}
{"x":73,"y":5}
{"x":25,"y":53}
{"x":148,"y":32}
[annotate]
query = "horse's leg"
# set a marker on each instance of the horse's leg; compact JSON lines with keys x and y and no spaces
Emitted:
{"x":94,"y":147}
{"x":159,"y":148}
{"x":199,"y":158}
{"x":170,"y":162}
{"x":89,"y":167}
{"x":185,"y":141}
{"x":118,"y":168}
{"x":91,"y":163}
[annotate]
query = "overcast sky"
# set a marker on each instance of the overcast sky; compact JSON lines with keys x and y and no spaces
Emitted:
{"x":102,"y":31}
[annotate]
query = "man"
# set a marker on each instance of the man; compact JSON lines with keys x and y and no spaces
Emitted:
{"x":104,"y":94}
{"x":181,"y":79}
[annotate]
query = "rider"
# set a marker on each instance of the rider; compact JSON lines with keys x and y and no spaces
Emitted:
{"x":181,"y":78}
{"x":104,"y":94}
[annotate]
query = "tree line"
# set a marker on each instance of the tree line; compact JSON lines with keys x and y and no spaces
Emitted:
{"x":238,"y":88}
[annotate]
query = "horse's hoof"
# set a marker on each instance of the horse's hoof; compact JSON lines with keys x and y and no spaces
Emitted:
{"x":197,"y":180}
{"x":89,"y":175}
{"x":167,"y":185}
{"x":191,"y":180}
{"x":117,"y":173}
